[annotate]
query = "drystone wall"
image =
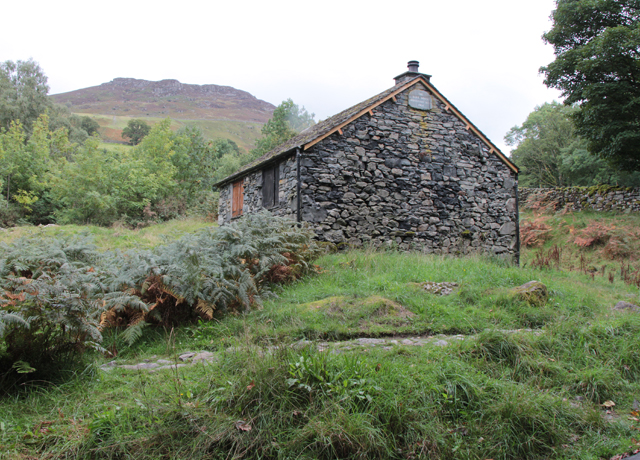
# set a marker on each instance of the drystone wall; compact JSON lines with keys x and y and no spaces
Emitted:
{"x":287,"y":204}
{"x":598,"y":198}
{"x":411,"y":178}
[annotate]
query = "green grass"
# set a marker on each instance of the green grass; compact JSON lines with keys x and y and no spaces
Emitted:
{"x":496,"y":394}
{"x":116,"y":237}
{"x":115,"y":147}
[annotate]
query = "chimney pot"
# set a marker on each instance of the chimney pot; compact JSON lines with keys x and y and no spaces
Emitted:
{"x":411,"y":73}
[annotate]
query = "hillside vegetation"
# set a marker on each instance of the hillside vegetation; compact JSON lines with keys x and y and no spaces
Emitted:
{"x":605,"y":245}
{"x":362,"y":360}
{"x":219,"y":111}
{"x":244,"y":134}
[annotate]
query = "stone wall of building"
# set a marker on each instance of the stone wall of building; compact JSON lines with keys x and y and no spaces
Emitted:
{"x":416,"y":179}
{"x":224,"y":204}
{"x":412,"y":178}
{"x":597,"y":198}
{"x":287,"y":204}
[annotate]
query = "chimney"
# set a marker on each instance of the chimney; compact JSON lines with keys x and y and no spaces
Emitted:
{"x":411,"y":73}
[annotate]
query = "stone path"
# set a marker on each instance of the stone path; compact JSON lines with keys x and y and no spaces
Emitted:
{"x":387,"y":343}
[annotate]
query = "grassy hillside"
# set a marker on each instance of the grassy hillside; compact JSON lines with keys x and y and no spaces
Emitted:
{"x":360,"y":361}
{"x":220,"y":111}
{"x":242,"y":133}
{"x":167,"y":98}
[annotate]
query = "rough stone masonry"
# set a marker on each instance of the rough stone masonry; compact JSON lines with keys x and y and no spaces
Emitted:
{"x":400,"y":176}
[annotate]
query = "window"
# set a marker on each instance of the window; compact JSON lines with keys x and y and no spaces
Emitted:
{"x":270,"y":179}
{"x":237,"y":198}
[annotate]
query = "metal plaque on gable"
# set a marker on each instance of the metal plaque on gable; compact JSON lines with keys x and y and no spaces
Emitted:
{"x":419,"y":99}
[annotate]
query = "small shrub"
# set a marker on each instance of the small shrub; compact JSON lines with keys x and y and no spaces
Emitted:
{"x":534,"y":233}
{"x":9,"y":214}
{"x":594,"y":234}
{"x":622,"y":244}
{"x":205,"y":204}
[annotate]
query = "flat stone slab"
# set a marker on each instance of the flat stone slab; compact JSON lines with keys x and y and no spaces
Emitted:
{"x":363,"y":343}
{"x":187,"y":359}
{"x":139,"y":366}
{"x":203,"y":356}
{"x":626,"y":306}
{"x":370,"y":341}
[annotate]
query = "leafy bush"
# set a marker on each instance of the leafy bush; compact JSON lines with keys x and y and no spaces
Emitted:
{"x":9,"y":214}
{"x":49,"y":303}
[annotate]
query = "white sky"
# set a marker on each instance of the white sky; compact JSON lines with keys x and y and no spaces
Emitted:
{"x":328,"y":55}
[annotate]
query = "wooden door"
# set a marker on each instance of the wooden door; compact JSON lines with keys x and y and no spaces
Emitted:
{"x":237,"y":198}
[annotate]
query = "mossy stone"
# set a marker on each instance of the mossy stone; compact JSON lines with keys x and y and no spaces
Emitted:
{"x":534,"y":293}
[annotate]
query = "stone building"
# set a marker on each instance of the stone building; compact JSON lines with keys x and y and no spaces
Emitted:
{"x":404,"y":167}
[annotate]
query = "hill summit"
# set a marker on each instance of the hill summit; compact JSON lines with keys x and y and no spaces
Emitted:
{"x":132,"y":97}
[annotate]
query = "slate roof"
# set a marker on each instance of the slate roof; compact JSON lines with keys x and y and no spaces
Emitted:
{"x":323,"y":128}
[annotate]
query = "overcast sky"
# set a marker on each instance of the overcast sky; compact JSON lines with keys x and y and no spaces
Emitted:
{"x":329,"y":55}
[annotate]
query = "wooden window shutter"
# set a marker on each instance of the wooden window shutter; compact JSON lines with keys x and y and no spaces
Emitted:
{"x":270,"y":179}
{"x":267,"y":188}
{"x":237,"y":199}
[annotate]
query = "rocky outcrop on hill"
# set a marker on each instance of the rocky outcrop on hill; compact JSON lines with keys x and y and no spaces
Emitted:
{"x":167,"y":98}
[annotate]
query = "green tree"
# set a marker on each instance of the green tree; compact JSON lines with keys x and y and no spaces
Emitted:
{"x":597,"y":67}
{"x":135,"y":131}
{"x":102,"y":187}
{"x":23,"y":93}
{"x":78,"y":128}
{"x":540,"y":142}
{"x":89,"y":125}
{"x":550,"y":153}
{"x":198,"y":160}
{"x":27,"y":164}
{"x":13,"y":152}
{"x":26,"y":161}
{"x":288,"y":119}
